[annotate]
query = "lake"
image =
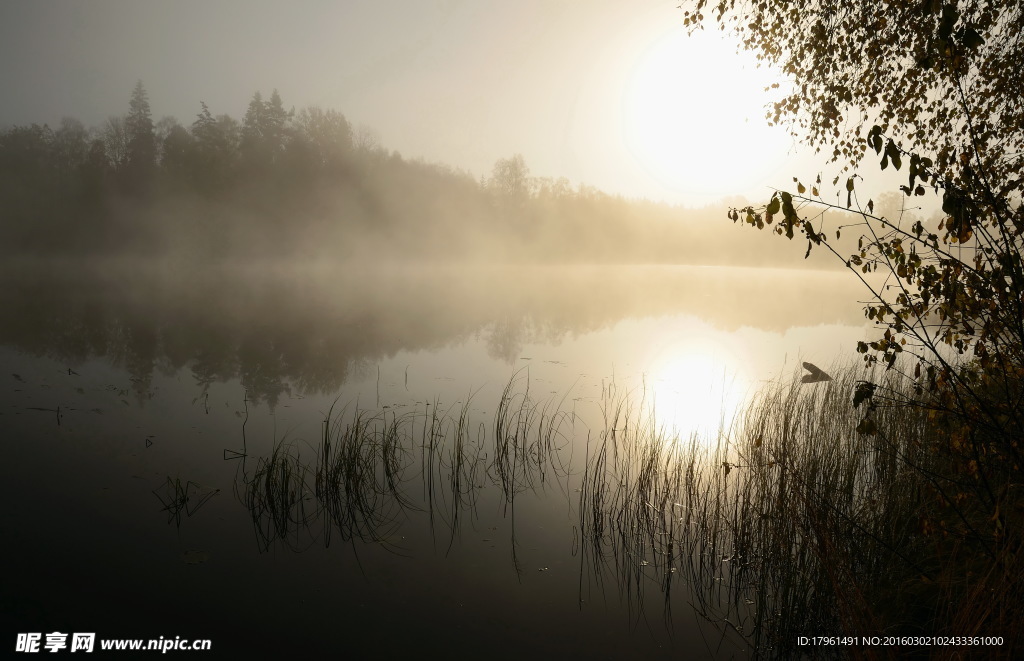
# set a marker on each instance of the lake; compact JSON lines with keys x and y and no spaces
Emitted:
{"x":382,"y":461}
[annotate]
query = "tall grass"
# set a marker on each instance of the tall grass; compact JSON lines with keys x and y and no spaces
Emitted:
{"x":360,"y":473}
{"x":278,"y":495}
{"x":643,"y":502}
{"x":820,"y":517}
{"x":788,"y":522}
{"x":360,"y":484}
{"x":792,"y":523}
{"x":528,"y":437}
{"x":836,"y":528}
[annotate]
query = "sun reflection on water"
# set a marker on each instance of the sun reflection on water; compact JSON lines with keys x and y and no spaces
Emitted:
{"x":698,"y":389}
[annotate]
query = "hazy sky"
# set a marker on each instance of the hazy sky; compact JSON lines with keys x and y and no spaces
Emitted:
{"x":604,"y":92}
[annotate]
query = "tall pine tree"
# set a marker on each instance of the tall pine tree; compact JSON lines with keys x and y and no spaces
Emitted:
{"x":264,"y":130}
{"x":254,"y":133}
{"x":277,"y":119}
{"x":141,"y":140}
{"x":212,"y":152}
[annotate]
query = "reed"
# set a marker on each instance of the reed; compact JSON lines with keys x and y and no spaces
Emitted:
{"x":360,"y":475}
{"x":279,"y":497}
{"x":528,"y":437}
{"x":359,"y":485}
{"x":180,"y":498}
{"x":792,"y":521}
{"x":788,"y":522}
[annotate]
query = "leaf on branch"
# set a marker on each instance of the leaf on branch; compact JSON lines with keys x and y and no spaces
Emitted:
{"x":789,"y":214}
{"x":875,"y":139}
{"x":893,"y":152}
{"x":811,"y":234}
{"x":863,"y":393}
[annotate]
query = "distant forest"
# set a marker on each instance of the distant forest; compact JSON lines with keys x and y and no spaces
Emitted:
{"x":287,"y":184}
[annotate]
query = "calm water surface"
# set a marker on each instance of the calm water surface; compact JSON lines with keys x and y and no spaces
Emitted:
{"x":141,"y":406}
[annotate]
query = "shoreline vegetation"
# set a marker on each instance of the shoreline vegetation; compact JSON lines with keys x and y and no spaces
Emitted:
{"x":931,"y":89}
{"x":305,"y":185}
{"x":789,"y":521}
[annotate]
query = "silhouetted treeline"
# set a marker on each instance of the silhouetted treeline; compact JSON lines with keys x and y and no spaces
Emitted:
{"x":281,"y":183}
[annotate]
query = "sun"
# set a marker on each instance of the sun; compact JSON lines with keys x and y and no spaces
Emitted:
{"x":694,"y":117}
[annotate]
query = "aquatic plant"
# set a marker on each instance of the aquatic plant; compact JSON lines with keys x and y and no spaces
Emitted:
{"x":179,"y":498}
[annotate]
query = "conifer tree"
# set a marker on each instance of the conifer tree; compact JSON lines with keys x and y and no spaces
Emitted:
{"x":141,"y":138}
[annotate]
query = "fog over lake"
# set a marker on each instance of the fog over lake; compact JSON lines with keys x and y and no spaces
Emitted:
{"x":410,"y":329}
